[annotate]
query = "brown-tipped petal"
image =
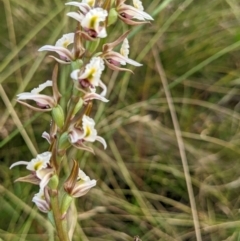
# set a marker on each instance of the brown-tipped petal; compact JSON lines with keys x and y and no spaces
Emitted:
{"x":108,"y":47}
{"x":81,"y":146}
{"x":131,"y":22}
{"x":59,"y":60}
{"x":87,"y":37}
{"x":63,"y":52}
{"x":56,"y":93}
{"x":116,"y":68}
{"x":45,"y":179}
{"x":33,"y":108}
{"x":82,"y":188}
{"x":92,"y":96}
{"x":134,"y":12}
{"x":117,"y":57}
{"x":46,"y":194}
{"x":72,"y":179}
{"x":41,"y":100}
{"x":29,"y":178}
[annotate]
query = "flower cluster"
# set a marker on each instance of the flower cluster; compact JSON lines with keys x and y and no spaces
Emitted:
{"x":73,"y":126}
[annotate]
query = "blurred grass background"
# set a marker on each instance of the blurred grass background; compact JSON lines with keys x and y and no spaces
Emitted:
{"x":193,"y":49}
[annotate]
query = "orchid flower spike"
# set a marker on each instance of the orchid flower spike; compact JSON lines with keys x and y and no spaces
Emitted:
{"x":90,"y":76}
{"x":77,"y":136}
{"x":127,"y":12}
{"x":114,"y":59}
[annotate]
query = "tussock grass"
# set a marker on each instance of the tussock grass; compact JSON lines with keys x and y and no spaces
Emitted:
{"x":142,"y":186}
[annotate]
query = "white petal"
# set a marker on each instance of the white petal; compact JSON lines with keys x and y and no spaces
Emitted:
{"x":104,"y":87}
{"x":82,"y":176}
{"x":92,"y":21}
{"x":133,"y":62}
{"x":63,"y":52}
{"x":102,"y":33}
{"x":45,"y":180}
{"x":84,"y":6}
{"x":81,"y":189}
{"x":137,"y":14}
{"x":76,"y":16}
{"x":93,"y":95}
{"x":46,"y":136}
{"x":138,"y":4}
{"x":65,"y":40}
{"x":41,"y":87}
{"x":125,"y":48}
{"x":101,"y":140}
{"x":74,"y":74}
{"x":42,"y":99}
{"x":18,"y":163}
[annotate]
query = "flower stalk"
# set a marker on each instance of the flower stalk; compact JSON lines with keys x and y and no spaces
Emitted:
{"x":73,"y":126}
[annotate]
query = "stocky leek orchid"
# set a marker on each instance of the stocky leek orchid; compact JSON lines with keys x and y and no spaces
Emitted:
{"x":89,"y":77}
{"x":40,"y":167}
{"x":127,"y":12}
{"x":86,"y":133}
{"x":114,"y":59}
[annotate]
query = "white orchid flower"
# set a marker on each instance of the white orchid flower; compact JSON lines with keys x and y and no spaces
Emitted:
{"x":114,"y":59}
{"x":77,"y":187}
{"x":92,"y":21}
{"x":40,"y":166}
{"x":127,"y":12}
{"x":36,"y":164}
{"x":87,"y":133}
{"x":61,"y":48}
{"x":90,"y":76}
{"x":83,"y":185}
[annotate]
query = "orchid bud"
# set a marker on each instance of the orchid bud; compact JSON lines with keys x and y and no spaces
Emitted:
{"x":66,"y":202}
{"x":53,"y":182}
{"x":77,"y":64}
{"x":64,"y":142}
{"x":78,"y":106}
{"x":112,"y":16}
{"x":58,"y":116}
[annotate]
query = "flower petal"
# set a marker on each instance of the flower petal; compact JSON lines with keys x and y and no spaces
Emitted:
{"x":63,"y":52}
{"x":82,"y":188}
{"x":101,"y":140}
{"x":18,"y":163}
{"x":41,"y":87}
{"x":77,"y":16}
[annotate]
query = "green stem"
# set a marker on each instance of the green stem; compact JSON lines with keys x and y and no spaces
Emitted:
{"x":60,"y":223}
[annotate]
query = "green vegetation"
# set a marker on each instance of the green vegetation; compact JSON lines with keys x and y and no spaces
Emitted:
{"x":193,"y":49}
